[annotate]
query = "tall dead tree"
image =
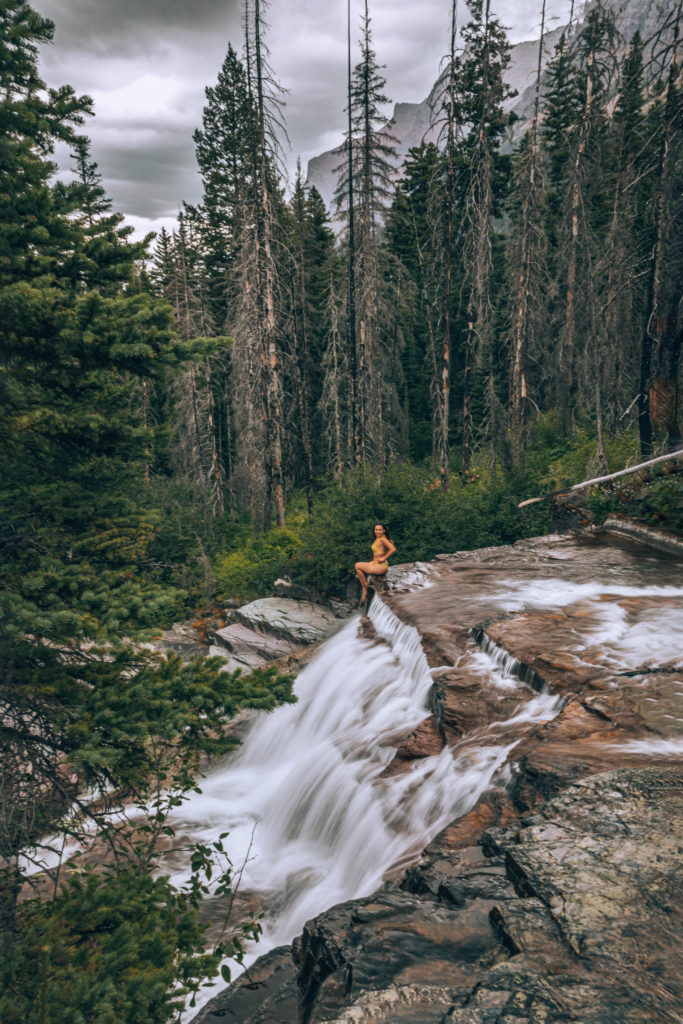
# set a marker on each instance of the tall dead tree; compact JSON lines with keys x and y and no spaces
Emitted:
{"x":337,"y":393}
{"x":267,"y":270}
{"x":301,"y":335}
{"x":258,"y":331}
{"x":351,"y":256}
{"x":525,"y":251}
{"x":443,"y":104}
{"x":661,"y":340}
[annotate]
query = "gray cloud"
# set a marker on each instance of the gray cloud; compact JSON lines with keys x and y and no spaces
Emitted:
{"x":129,"y":26}
{"x":146,"y":64}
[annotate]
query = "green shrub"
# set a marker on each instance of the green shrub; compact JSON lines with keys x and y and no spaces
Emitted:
{"x":254,"y":563}
{"x":653,"y":497}
{"x":422,"y":519}
{"x":110,"y":949}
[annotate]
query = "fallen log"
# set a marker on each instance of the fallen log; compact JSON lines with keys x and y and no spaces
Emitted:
{"x":602,"y":479}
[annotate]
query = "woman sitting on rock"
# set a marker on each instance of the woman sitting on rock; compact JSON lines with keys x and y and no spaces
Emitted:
{"x":382,"y":550}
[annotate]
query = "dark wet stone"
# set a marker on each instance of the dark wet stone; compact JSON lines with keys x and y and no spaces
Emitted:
{"x":389,"y":942}
{"x":266,"y":994}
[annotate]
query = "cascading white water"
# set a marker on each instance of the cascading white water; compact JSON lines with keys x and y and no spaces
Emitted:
{"x":304,"y":799}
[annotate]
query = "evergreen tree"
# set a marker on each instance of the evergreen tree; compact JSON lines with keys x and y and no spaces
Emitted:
{"x":414,"y":231}
{"x":368,"y":182}
{"x":481,"y":91}
{"x":224,"y":155}
{"x":80,"y":340}
{"x":310,"y":247}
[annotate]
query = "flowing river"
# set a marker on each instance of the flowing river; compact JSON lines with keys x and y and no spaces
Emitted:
{"x":315,"y":811}
{"x":311,"y":817}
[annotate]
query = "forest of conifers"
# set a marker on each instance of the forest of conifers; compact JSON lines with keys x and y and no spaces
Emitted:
{"x":469,"y":293}
{"x":183,"y":421}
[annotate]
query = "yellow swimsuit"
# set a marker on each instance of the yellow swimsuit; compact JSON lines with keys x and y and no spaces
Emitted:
{"x":378,"y":550}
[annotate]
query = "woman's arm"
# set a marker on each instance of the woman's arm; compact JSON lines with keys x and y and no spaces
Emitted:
{"x":389,"y":550}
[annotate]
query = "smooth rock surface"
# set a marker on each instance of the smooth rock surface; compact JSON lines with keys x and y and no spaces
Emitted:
{"x":298,"y":622}
{"x":558,"y":896}
{"x":274,"y":629}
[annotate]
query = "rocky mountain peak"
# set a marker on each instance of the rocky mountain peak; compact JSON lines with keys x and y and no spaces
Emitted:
{"x":410,"y":123}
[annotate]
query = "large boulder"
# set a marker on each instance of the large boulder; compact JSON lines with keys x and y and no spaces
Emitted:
{"x":297,"y":622}
{"x":273,"y":629}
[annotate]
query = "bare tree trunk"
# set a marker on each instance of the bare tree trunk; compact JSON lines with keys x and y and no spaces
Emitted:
{"x":228,"y":456}
{"x":443,"y":405}
{"x":520,"y":316}
{"x":273,"y":382}
{"x":653,"y":330}
{"x":336,"y":376}
{"x":303,"y":390}
{"x":216,"y":475}
{"x":355,"y":418}
{"x":145,"y":418}
{"x":468,"y":373}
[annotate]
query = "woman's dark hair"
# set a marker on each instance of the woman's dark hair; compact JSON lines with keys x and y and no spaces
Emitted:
{"x":386,"y":532}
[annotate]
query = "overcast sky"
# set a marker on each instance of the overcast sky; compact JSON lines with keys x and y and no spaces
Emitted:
{"x":146,"y":64}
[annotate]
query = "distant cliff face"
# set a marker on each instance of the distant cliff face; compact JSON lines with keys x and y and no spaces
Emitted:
{"x":410,"y":123}
{"x":409,"y":126}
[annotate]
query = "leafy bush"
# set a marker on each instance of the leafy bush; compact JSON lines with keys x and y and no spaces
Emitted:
{"x":654,"y":497}
{"x":422,"y":519}
{"x":253,"y":562}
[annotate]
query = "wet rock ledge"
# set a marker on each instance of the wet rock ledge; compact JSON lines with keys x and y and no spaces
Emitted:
{"x":559,"y":896}
{"x":572,"y":914}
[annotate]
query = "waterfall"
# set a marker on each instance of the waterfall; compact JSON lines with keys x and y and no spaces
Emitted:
{"x":307,"y":807}
{"x":506,"y":669}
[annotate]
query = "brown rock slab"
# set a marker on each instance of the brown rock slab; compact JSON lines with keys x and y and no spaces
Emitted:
{"x":266,"y":994}
{"x":424,"y":741}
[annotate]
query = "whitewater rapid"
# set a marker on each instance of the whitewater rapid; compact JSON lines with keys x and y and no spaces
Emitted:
{"x":312,"y":820}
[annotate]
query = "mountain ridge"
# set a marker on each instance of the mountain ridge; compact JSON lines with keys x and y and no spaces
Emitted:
{"x":410,"y":123}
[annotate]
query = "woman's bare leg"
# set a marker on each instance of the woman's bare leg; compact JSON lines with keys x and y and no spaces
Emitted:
{"x":365,"y":569}
{"x":360,"y":566}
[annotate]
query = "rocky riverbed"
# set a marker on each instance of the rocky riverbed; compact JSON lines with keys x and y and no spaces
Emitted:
{"x":557,"y":897}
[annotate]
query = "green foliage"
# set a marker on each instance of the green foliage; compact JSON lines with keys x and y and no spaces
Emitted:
{"x":82,"y":349}
{"x":653,"y":497}
{"x":109,"y":949}
{"x":422,"y":519}
{"x":554,"y":460}
{"x":116,"y":945}
{"x":249,"y":567}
